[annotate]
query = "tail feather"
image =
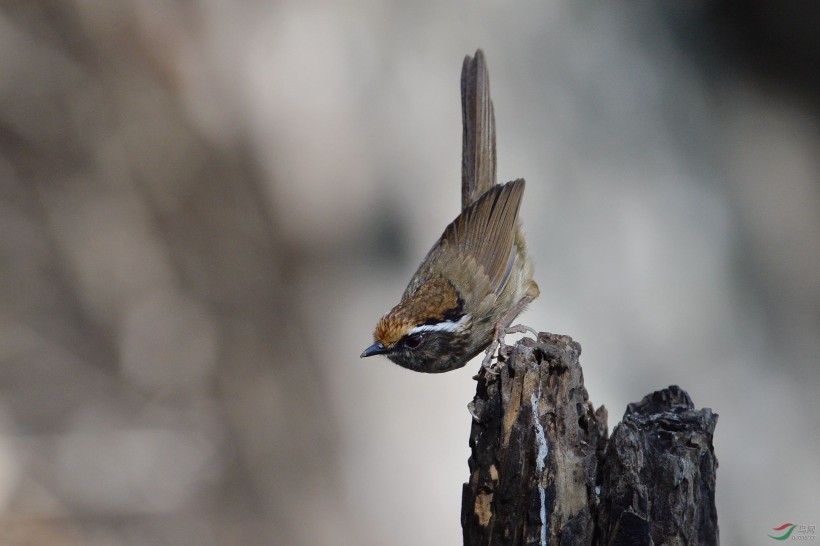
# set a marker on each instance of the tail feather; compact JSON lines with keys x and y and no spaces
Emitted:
{"x":478,"y":166}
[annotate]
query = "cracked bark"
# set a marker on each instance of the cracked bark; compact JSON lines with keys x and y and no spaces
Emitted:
{"x":542,"y":470}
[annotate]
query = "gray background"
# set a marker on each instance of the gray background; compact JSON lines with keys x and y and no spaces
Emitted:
{"x":206,"y":206}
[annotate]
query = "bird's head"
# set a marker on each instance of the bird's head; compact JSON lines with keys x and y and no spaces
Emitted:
{"x":427,"y":331}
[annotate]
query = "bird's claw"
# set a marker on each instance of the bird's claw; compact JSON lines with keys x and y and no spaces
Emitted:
{"x":487,"y":363}
{"x":521,"y":329}
{"x":498,"y":344}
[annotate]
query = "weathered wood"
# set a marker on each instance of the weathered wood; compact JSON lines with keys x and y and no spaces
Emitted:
{"x":658,"y":473}
{"x":543,"y":472}
{"x":535,"y":442}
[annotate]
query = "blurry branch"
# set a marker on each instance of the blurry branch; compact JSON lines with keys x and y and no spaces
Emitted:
{"x":543,"y":472}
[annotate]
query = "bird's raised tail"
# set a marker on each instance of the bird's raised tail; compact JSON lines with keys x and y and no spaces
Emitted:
{"x":478,"y":145}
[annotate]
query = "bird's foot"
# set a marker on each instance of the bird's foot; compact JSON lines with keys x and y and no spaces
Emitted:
{"x":498,"y":344}
{"x":521,"y":329}
{"x":487,"y":363}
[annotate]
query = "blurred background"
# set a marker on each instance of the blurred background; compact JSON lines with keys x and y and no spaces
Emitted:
{"x":206,"y":206}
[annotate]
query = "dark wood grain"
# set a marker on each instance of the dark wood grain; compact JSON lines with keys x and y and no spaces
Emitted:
{"x":542,"y":470}
{"x":535,"y":441}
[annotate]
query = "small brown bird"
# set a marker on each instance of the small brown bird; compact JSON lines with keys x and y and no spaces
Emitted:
{"x":477,"y":278}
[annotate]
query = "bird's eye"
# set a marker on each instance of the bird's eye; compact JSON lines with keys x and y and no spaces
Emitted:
{"x":413,"y":342}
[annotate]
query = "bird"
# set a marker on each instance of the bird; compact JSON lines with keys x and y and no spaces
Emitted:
{"x":478,"y":276}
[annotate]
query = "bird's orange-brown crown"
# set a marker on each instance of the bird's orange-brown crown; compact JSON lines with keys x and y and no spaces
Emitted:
{"x":434,"y":301}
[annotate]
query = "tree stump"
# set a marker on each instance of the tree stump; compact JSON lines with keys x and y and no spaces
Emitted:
{"x":543,"y":472}
{"x":535,"y":444}
{"x":658,"y":474}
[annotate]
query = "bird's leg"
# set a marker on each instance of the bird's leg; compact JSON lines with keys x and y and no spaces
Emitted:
{"x":498,"y":336}
{"x":502,"y":328}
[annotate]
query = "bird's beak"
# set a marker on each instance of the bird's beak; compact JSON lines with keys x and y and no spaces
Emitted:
{"x":375,"y":349}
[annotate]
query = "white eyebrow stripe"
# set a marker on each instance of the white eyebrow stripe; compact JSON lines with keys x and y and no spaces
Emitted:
{"x":443,"y":326}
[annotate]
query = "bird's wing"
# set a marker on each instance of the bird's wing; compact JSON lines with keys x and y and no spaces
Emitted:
{"x":478,"y":248}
